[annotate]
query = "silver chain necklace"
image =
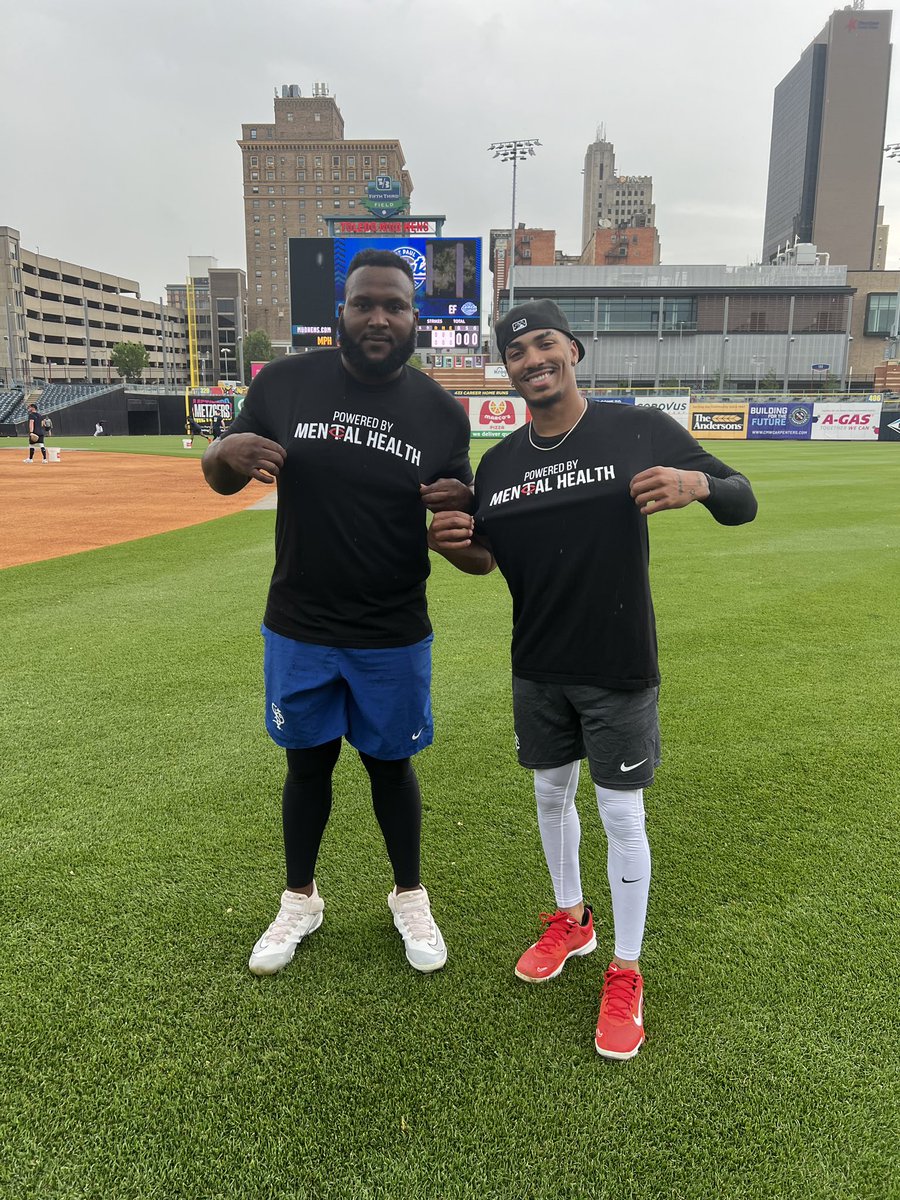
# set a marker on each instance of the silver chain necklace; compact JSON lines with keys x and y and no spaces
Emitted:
{"x":562,"y":439}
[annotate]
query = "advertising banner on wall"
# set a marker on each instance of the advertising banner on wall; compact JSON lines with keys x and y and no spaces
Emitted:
{"x":782,"y":420}
{"x":493,"y":414}
{"x":889,"y":427}
{"x":719,"y":421}
{"x":846,"y":422}
{"x":676,"y":406}
{"x":224,"y":401}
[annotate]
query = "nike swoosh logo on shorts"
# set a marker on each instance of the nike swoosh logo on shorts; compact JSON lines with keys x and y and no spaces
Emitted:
{"x":416,"y":736}
{"x":633,"y":765}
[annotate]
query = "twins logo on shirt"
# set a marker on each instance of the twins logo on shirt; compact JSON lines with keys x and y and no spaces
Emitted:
{"x":362,"y":430}
{"x":552,"y":478}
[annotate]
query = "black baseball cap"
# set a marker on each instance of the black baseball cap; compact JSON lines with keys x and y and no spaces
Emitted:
{"x":536,"y":314}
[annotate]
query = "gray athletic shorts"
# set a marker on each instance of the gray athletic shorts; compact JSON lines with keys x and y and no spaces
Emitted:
{"x":618,"y":732}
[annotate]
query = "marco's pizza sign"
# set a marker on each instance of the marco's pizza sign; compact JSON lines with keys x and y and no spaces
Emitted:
{"x":493,"y":414}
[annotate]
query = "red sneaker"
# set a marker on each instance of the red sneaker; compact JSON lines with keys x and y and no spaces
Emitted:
{"x":563,"y":938}
{"x":620,"y":1025}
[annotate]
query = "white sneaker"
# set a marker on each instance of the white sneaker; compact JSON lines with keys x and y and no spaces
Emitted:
{"x":298,"y":916}
{"x":425,"y":949}
{"x":27,"y":460}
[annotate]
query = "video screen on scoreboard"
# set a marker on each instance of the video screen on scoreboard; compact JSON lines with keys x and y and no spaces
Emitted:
{"x":447,"y":273}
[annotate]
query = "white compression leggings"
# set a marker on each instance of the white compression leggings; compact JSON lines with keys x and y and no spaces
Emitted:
{"x":628,"y":856}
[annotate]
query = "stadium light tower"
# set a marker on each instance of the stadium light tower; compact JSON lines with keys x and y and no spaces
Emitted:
{"x":515,"y":152}
{"x":892,"y":150}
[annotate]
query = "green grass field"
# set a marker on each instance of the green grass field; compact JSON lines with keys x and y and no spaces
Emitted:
{"x":171,"y":447}
{"x":142,"y":858}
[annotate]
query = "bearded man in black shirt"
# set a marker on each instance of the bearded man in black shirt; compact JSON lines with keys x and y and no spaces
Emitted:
{"x":360,"y":445}
{"x":561,"y":506}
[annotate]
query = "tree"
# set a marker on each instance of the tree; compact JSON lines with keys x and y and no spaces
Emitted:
{"x":130,"y":359}
{"x":831,"y":383}
{"x":257,"y":348}
{"x":721,"y":382}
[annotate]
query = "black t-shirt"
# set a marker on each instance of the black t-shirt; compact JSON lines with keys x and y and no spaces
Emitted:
{"x":351,"y":557}
{"x":38,"y":426}
{"x":574,"y":548}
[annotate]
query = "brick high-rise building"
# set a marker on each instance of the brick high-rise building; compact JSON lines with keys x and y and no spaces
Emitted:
{"x":610,"y":200}
{"x":298,"y":170}
{"x":534,"y":248}
{"x":623,"y":246}
{"x":828,"y":126}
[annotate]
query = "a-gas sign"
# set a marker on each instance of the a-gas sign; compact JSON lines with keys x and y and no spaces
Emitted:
{"x":846,"y":422}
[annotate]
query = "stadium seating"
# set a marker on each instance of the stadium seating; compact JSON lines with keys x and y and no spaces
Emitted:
{"x":58,"y":395}
{"x":9,"y":402}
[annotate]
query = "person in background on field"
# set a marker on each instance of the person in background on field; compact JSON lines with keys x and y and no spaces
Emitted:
{"x":47,"y":426}
{"x":216,"y":427}
{"x":98,"y":430}
{"x":561,"y":505}
{"x":361,"y":446}
{"x":35,"y":433}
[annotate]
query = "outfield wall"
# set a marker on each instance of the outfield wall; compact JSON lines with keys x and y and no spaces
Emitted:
{"x":769,"y":418}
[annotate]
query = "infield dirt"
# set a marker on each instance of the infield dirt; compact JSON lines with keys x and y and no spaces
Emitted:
{"x":89,"y":500}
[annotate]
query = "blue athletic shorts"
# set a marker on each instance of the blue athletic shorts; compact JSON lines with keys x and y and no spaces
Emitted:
{"x":379,"y":700}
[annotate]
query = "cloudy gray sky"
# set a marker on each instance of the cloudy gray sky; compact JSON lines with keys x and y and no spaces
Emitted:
{"x":117,"y":139}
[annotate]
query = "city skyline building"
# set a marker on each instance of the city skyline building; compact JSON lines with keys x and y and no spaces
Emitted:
{"x":59,"y":322}
{"x":636,"y":246}
{"x":298,"y":170}
{"x":793,"y":325}
{"x":214,"y":301}
{"x":710,"y":327}
{"x":827,"y":144}
{"x":611,"y":201}
{"x":534,"y":248}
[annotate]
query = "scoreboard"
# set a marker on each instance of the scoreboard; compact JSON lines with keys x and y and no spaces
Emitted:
{"x":447,"y":274}
{"x":461,"y":336}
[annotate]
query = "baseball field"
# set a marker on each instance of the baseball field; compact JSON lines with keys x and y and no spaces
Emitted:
{"x":141,"y":858}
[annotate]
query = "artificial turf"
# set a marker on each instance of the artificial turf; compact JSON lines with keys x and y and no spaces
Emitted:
{"x":141,"y":850}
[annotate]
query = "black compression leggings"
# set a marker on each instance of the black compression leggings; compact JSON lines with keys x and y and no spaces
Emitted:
{"x":306,"y":806}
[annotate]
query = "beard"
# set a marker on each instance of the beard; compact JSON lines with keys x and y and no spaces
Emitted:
{"x":545,"y":402}
{"x":355,"y":353}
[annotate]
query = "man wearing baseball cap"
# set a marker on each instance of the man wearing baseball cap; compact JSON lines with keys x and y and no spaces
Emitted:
{"x":561,"y":506}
